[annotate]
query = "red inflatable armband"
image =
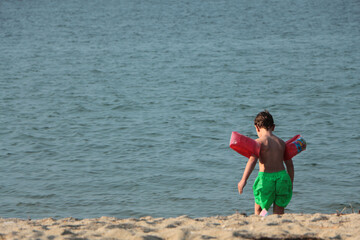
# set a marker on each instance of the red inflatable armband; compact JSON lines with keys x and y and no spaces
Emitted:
{"x":294,"y":146}
{"x":244,"y":145}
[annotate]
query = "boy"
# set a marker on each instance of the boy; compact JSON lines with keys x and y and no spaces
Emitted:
{"x":273,"y":184}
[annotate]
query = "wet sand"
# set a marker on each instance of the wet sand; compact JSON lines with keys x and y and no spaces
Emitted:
{"x":237,"y":226}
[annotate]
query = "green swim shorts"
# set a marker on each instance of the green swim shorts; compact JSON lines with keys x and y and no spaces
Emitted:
{"x":272,"y":188}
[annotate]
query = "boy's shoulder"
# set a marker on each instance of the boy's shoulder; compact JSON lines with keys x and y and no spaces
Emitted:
{"x":279,"y":139}
{"x":272,"y":137}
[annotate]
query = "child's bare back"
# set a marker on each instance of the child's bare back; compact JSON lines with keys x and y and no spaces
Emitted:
{"x":271,"y":154}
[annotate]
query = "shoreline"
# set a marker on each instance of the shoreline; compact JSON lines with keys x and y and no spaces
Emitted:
{"x":236,"y":226}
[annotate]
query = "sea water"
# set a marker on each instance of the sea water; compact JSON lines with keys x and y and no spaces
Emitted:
{"x":126,"y":108}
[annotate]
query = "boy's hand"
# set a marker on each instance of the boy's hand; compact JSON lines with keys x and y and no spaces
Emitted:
{"x":241,"y":186}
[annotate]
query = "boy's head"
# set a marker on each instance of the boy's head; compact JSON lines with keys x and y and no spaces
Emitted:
{"x":264,"y":120}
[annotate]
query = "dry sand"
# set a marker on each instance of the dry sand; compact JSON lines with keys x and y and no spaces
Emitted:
{"x":237,"y":226}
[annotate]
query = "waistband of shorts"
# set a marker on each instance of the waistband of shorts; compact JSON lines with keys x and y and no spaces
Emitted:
{"x":273,"y":174}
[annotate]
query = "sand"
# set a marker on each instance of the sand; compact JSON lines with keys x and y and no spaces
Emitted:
{"x":237,"y":226}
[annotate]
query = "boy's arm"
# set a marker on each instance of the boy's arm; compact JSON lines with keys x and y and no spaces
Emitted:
{"x":290,"y":169}
{"x":248,"y":170}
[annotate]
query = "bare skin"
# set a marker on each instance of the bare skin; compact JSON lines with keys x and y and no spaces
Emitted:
{"x":271,"y":160}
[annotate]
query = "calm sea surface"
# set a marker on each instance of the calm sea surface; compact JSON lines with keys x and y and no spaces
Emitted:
{"x":125,"y":108}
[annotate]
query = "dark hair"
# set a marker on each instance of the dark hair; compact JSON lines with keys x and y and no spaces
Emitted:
{"x":264,"y":120}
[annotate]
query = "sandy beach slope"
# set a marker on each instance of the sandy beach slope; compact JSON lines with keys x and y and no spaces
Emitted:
{"x":237,"y":226}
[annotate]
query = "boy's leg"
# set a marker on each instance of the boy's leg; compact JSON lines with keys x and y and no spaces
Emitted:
{"x":278,"y":210}
{"x":258,"y":209}
{"x":283,"y":193}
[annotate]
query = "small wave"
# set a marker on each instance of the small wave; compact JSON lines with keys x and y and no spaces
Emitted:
{"x":41,"y":196}
{"x":96,"y":71}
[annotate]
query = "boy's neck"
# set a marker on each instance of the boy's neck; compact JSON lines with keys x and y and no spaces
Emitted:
{"x":262,"y":132}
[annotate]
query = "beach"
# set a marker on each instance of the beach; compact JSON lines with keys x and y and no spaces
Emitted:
{"x":126,"y":108}
{"x":236,"y":226}
{"x":112,"y":111}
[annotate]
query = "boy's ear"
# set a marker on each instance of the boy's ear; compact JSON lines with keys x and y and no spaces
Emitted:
{"x":273,"y":128}
{"x":257,"y":128}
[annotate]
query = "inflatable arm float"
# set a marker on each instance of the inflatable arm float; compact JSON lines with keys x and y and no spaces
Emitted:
{"x":249,"y":147}
{"x":244,"y":145}
{"x":294,"y":146}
